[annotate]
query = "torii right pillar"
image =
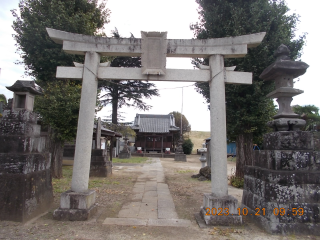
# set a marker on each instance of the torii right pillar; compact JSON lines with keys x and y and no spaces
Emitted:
{"x":218,"y":208}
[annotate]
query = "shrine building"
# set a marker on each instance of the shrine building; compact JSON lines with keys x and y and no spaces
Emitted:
{"x":155,"y":132}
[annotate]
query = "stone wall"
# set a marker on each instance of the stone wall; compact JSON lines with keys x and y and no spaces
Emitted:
{"x":25,"y":178}
{"x":286,"y":176}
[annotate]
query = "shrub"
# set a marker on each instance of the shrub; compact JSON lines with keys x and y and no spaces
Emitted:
{"x":187,"y":146}
{"x":236,"y":181}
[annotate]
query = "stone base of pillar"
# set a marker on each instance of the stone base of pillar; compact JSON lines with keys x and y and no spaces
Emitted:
{"x":76,"y":206}
{"x":283,"y":184}
{"x":25,"y":176}
{"x":180,"y":157}
{"x":124,"y":155}
{"x":23,"y":196}
{"x":220,"y":210}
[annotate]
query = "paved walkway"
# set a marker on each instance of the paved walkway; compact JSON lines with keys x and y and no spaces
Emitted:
{"x":152,"y":203}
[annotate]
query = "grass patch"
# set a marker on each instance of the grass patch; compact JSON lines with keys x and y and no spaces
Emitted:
{"x":237,"y":182}
{"x":98,"y":182}
{"x":232,"y":159}
{"x":63,"y":184}
{"x":130,"y":160}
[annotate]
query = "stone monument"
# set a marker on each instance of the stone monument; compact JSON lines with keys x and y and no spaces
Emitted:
{"x":179,"y":154}
{"x":125,"y":152}
{"x":25,"y":176}
{"x":100,"y":165}
{"x":281,"y":189}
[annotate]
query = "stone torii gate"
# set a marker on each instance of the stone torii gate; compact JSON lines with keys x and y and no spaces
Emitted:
{"x":153,"y":47}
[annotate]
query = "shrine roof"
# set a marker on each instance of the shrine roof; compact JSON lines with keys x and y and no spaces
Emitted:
{"x":25,"y":86}
{"x":154,"y":123}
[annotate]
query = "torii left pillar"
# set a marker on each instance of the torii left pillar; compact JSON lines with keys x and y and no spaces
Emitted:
{"x":78,"y":204}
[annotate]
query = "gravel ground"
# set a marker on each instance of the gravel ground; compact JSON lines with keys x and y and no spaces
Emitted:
{"x":115,"y":191}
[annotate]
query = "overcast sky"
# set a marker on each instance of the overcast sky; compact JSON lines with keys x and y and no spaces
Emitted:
{"x":173,"y":16}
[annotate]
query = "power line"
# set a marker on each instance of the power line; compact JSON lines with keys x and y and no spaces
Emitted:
{"x":157,"y":88}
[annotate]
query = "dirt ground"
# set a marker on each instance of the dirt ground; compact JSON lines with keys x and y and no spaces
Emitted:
{"x":115,"y":191}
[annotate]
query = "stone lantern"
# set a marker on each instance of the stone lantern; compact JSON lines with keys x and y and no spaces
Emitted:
{"x":284,"y":175}
{"x":23,"y":95}
{"x":25,"y":176}
{"x":203,"y":158}
{"x":283,"y":71}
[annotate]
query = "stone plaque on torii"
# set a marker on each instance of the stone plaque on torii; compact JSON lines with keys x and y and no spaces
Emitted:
{"x":153,"y":48}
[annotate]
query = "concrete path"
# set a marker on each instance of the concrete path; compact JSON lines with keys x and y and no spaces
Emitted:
{"x":152,"y":203}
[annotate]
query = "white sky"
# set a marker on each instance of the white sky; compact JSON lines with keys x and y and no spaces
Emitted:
{"x":173,"y":16}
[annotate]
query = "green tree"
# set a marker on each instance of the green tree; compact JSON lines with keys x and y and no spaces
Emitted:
{"x":129,"y":93}
{"x":60,"y":113}
{"x":186,"y":127}
{"x":3,"y":98}
{"x":247,"y":108}
{"x":187,"y":146}
{"x":3,"y":102}
{"x":41,"y":55}
{"x":310,"y":113}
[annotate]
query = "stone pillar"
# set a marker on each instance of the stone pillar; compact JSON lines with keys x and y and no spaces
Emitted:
{"x":218,"y":142}
{"x":162,"y":144}
{"x":219,"y":197}
{"x":81,"y":166}
{"x":98,"y":134}
{"x":78,"y":204}
{"x":111,"y":148}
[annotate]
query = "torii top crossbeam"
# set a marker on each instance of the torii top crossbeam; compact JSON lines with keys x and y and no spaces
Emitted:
{"x":154,"y":54}
{"x":229,"y":47}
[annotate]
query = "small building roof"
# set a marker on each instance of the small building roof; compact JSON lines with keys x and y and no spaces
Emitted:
{"x":107,"y":132}
{"x":154,"y":123}
{"x":25,"y":86}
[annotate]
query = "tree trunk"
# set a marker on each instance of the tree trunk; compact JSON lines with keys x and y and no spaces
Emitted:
{"x":115,"y":97}
{"x":244,"y":153}
{"x":56,"y":150}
